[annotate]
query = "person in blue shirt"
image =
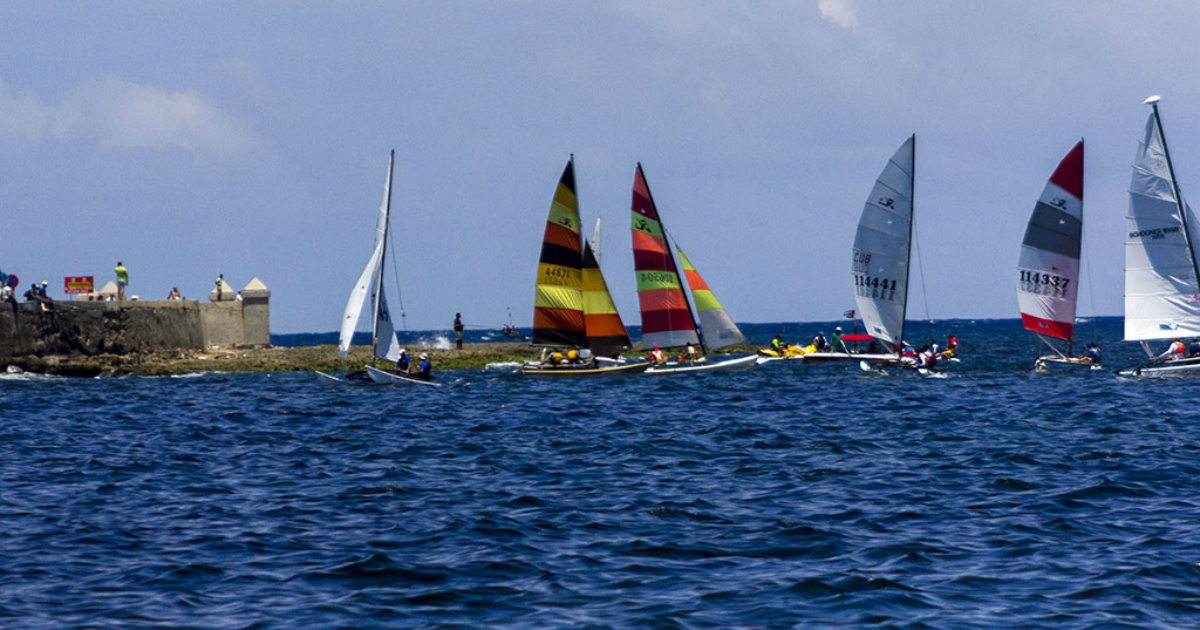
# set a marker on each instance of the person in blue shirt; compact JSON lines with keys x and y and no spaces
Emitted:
{"x":402,"y":362}
{"x":424,"y":368}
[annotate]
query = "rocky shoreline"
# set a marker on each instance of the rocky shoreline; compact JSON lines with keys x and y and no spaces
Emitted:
{"x":270,"y":359}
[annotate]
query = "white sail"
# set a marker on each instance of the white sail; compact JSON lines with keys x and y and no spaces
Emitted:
{"x":370,"y":285}
{"x":1162,"y":299}
{"x":1048,"y":268}
{"x":881,"y":248}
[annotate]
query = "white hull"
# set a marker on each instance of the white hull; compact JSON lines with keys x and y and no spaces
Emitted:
{"x":823,"y":357}
{"x":1177,"y":368}
{"x":1055,"y":363}
{"x":390,"y":378}
{"x":738,"y":363}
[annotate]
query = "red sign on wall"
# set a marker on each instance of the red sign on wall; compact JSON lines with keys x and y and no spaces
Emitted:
{"x":78,"y":284}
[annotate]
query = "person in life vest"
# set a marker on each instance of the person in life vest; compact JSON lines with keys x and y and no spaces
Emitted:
{"x":689,"y":354}
{"x":835,"y":340}
{"x":656,"y":356}
{"x":1092,"y":355}
{"x":424,"y":368}
{"x":1174,"y":352}
{"x":403,"y":361}
{"x":951,"y":348}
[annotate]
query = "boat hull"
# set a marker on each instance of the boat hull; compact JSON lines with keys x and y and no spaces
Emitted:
{"x":388,"y":377}
{"x":737,"y":363}
{"x":1055,"y":363}
{"x":571,"y":371}
{"x":1180,"y":367}
{"x":830,"y":357}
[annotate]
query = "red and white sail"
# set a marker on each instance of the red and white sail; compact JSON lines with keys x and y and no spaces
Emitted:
{"x":1048,"y":268}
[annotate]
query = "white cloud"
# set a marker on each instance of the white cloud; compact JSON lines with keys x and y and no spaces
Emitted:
{"x":117,"y":113}
{"x":840,"y":12}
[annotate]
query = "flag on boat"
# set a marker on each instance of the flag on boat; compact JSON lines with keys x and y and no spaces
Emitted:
{"x":848,"y":314}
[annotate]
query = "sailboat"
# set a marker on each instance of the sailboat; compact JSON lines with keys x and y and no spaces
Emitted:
{"x":1048,"y":267}
{"x":879,"y":270}
{"x":1162,"y":283}
{"x":572,"y":307}
{"x":667,"y":320}
{"x":882,"y":252}
{"x":370,"y":287}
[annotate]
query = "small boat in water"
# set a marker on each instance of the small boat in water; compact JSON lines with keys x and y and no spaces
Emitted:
{"x":667,"y":319}
{"x":1162,"y":282}
{"x":882,"y":252}
{"x":574,"y":317}
{"x":1048,"y":267}
{"x":370,"y":287}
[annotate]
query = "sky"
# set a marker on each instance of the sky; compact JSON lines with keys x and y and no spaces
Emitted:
{"x":188,"y":139}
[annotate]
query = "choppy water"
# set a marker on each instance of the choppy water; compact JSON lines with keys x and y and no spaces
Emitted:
{"x":788,"y":496}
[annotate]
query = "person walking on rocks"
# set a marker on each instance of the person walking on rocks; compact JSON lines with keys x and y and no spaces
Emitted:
{"x":458,"y":330}
{"x":122,"y":280}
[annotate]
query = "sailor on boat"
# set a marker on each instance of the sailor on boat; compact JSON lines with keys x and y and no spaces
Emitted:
{"x":656,"y":356}
{"x":424,"y":368}
{"x":836,"y":340}
{"x":951,"y":350}
{"x":1174,"y":352}
{"x":1092,"y":354}
{"x":402,"y":361}
{"x":689,"y":354}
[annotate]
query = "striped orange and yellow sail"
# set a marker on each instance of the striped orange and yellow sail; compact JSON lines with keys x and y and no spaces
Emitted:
{"x":666,"y":317}
{"x":716,"y":325}
{"x":606,"y":335}
{"x":558,"y":302}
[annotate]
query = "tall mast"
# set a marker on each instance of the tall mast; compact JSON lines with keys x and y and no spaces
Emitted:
{"x":387,"y":211}
{"x":1187,"y":237}
{"x":912,"y":218}
{"x":671,"y":255}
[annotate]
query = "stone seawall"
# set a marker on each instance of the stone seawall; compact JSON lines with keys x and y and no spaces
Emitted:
{"x":119,"y":328}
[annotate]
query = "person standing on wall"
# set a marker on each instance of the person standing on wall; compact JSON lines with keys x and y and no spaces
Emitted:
{"x":458,"y":330}
{"x":122,"y":280}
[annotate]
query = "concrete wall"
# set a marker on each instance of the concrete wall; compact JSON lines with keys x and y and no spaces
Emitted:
{"x":91,"y":328}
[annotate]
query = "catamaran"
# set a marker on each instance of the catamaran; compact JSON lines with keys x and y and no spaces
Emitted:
{"x":1162,"y":282}
{"x":573,"y":310}
{"x":882,"y":248}
{"x":370,"y":285}
{"x":667,"y":319}
{"x":1048,"y":267}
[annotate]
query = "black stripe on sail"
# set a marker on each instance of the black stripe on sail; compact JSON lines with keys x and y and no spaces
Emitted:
{"x":554,"y":337}
{"x":1053,"y":230}
{"x":568,"y":176}
{"x":558,"y":255}
{"x":608,"y":346}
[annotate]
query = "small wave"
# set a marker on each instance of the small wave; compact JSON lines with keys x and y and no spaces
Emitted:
{"x":505,"y":366}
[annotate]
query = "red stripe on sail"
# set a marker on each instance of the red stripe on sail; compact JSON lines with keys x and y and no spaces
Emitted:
{"x":1061,"y":330}
{"x":1069,"y":174}
{"x":671,"y":320}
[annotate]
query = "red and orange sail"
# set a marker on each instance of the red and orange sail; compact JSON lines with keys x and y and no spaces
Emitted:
{"x":666,"y":318}
{"x":558,"y":318}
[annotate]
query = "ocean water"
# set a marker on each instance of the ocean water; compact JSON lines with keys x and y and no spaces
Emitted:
{"x":787,"y":496}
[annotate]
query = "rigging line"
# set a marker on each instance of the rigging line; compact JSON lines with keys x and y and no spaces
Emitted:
{"x":920,"y":265}
{"x":396,"y":281}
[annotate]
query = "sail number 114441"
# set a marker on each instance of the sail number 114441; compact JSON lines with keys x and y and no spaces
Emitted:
{"x":874,"y":287}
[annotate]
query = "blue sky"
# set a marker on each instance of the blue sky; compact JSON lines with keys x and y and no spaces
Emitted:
{"x":189,"y":139}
